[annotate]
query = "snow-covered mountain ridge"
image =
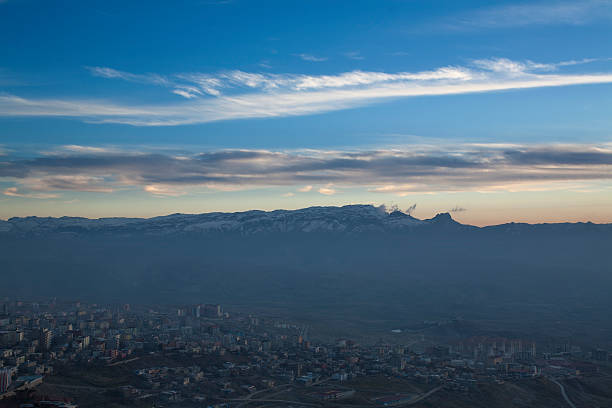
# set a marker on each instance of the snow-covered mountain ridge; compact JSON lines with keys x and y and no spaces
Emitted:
{"x":346,"y":219}
{"x":350,"y":218}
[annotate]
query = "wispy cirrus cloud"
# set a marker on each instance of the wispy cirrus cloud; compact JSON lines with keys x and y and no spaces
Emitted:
{"x":411,"y":170}
{"x":354,"y":55}
{"x":190,"y":92}
{"x":265,"y":64}
{"x":510,"y":67}
{"x":234,"y":95}
{"x":106,"y":72}
{"x":531,"y":13}
{"x":310,"y":57}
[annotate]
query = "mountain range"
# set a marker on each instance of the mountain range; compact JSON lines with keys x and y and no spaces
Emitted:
{"x":351,"y":219}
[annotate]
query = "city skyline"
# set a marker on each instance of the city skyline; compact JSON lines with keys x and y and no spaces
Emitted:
{"x":495,"y":113}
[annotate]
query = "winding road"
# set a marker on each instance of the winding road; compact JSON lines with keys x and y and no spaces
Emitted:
{"x":569,"y":402}
{"x":423,"y":396}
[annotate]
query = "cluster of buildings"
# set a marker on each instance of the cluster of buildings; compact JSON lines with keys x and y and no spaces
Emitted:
{"x":231,"y":357}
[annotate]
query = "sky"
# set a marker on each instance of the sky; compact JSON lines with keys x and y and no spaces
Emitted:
{"x":495,"y":111}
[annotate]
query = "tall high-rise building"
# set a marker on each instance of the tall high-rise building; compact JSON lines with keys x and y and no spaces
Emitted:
{"x":196,"y":311}
{"x":46,"y":339}
{"x":5,"y":379}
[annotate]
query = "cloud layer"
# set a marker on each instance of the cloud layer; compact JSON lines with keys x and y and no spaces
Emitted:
{"x":533,"y":13}
{"x":417,"y":169}
{"x":203,"y":97}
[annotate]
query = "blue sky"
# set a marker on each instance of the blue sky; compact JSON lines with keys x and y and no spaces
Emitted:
{"x":499,"y":110}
